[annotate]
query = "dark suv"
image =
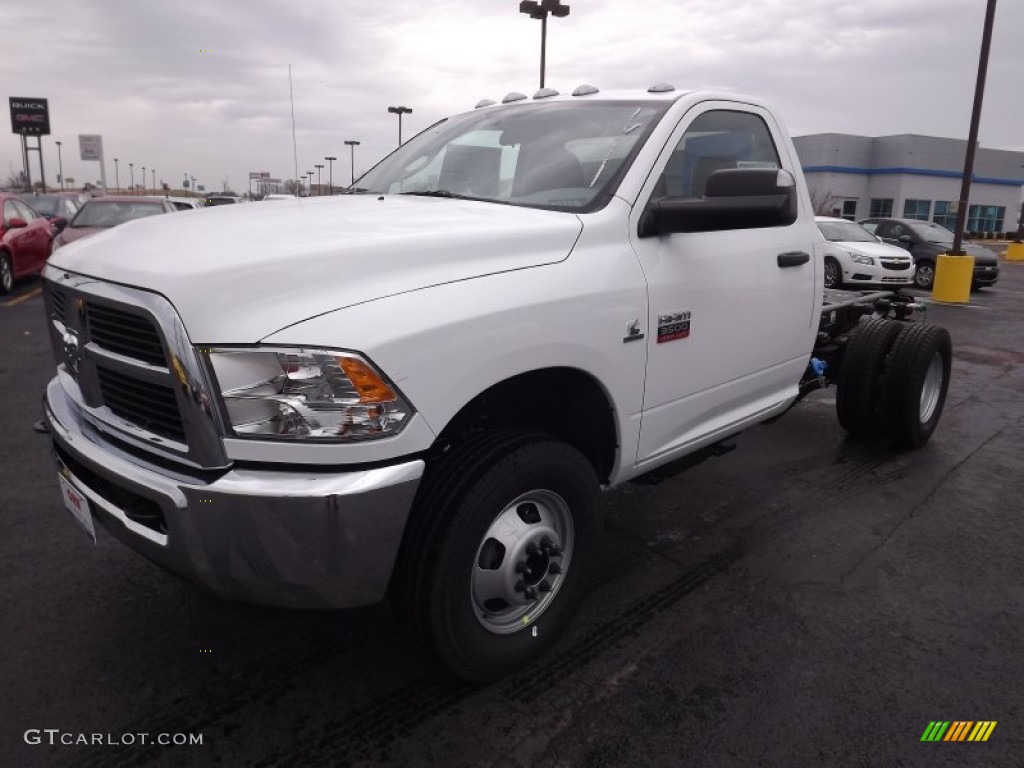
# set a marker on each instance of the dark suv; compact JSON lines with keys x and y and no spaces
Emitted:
{"x":926,"y":240}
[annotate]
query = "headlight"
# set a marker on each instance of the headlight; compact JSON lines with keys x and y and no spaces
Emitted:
{"x":860,"y":258}
{"x":306,"y":394}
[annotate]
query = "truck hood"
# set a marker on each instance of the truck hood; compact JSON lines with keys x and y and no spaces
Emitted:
{"x":238,"y":273}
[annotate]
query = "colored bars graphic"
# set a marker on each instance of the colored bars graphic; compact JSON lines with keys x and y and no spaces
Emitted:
{"x":958,"y":730}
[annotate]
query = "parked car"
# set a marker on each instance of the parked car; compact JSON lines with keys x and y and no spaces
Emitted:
{"x":181,"y":203}
{"x":926,"y":240}
{"x":855,"y":256}
{"x":279,"y":196}
{"x":220,"y":200}
{"x":58,"y":204}
{"x":109,"y":211}
{"x":24,"y":241}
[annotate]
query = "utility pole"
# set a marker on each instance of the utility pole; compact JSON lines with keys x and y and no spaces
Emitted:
{"x":60,"y":166}
{"x":319,"y":186}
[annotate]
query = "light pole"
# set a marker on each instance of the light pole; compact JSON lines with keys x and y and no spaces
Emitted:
{"x":117,"y":177}
{"x":60,"y":166}
{"x":352,"y":145}
{"x":319,"y":186}
{"x":310,"y":174}
{"x":143,"y":179}
{"x":972,"y":135}
{"x":153,"y":171}
{"x":540,"y":10}
{"x":400,"y":111}
{"x":131,"y":180}
{"x":330,"y":171}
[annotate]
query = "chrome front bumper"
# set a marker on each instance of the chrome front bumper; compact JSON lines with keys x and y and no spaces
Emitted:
{"x":286,"y":537}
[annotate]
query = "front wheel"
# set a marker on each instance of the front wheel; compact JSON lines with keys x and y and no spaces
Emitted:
{"x":833,"y":273}
{"x":924,"y":275}
{"x":6,"y":274}
{"x":495,"y":562}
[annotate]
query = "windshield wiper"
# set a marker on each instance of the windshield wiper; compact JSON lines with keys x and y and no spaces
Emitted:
{"x":440,"y":193}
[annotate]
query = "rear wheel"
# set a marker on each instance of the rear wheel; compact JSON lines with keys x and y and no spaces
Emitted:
{"x":494,"y":564}
{"x":924,"y":275}
{"x":857,"y":397}
{"x":6,"y":274}
{"x":917,"y":381}
{"x":833,"y":273}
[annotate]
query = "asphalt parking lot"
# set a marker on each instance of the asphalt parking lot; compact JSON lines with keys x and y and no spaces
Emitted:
{"x":805,"y":600}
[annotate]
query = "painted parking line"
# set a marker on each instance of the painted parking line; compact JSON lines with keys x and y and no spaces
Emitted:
{"x":29,"y":295}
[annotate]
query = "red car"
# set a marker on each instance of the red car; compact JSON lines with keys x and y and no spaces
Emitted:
{"x":25,"y":238}
{"x":101,"y":213}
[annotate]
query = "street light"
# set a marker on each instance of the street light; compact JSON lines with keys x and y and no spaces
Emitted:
{"x":310,"y":174}
{"x":143,"y":179}
{"x":117,"y":177}
{"x":330,"y":171}
{"x":319,"y":186}
{"x":153,"y":171}
{"x":353,"y":145}
{"x":400,"y":111}
{"x":131,"y":180}
{"x":540,"y":10}
{"x":60,"y":166}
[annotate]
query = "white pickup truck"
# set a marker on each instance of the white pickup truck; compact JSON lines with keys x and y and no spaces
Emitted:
{"x":417,"y":390}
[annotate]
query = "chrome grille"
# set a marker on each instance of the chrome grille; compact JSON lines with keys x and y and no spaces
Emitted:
{"x":59,"y":302}
{"x":125,"y":333}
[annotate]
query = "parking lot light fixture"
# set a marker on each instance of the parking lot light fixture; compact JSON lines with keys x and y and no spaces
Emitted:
{"x":143,"y":181}
{"x":330,"y":172}
{"x":319,"y":186}
{"x":400,"y":111}
{"x":352,"y":144}
{"x":131,"y":175}
{"x":541,"y":10}
{"x":153,"y":171}
{"x":117,"y":178}
{"x":60,"y":165}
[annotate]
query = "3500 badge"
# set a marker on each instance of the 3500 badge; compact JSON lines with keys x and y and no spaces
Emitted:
{"x":673,"y":326}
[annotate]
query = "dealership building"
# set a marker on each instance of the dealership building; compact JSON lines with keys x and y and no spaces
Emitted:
{"x":912,"y":177}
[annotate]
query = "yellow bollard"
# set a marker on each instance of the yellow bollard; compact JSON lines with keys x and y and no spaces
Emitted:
{"x":1015,"y":252}
{"x":953,"y":277}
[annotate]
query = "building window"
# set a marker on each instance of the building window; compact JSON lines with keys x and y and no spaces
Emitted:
{"x":917,"y":209}
{"x":945,"y":214}
{"x":985,"y":218}
{"x":848,"y":210}
{"x":881,"y":208}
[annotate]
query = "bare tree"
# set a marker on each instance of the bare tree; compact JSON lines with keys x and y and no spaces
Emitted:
{"x":821,"y":202}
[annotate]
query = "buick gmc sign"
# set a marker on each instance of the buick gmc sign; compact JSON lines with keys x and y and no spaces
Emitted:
{"x":30,"y":117}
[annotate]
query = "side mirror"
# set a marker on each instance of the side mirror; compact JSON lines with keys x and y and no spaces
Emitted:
{"x":58,"y":224}
{"x":734,"y":198}
{"x":16,"y":223}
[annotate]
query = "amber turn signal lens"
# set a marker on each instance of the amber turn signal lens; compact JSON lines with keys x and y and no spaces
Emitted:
{"x":371,"y":388}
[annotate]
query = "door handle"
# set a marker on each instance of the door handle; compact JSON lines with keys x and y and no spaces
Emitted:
{"x":793,"y":258}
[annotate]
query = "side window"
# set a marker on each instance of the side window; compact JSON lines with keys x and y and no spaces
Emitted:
{"x":714,"y":141}
{"x":9,"y":213}
{"x":24,"y":211}
{"x":897,"y":230}
{"x":872,"y":227}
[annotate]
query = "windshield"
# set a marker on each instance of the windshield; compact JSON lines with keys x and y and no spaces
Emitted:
{"x":110,"y":213}
{"x":845,"y":232}
{"x":932,"y":233}
{"x":44,"y":204}
{"x":556,"y":155}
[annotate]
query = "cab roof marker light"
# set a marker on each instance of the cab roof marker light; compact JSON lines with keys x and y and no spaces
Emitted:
{"x":545,"y":93}
{"x":661,"y":88}
{"x":484,"y":103}
{"x":585,"y":90}
{"x":513,"y":96}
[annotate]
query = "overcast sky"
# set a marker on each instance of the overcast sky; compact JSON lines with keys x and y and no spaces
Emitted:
{"x":201,"y":86}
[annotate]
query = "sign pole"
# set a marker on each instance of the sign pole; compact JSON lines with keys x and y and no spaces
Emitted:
{"x":42,"y":171}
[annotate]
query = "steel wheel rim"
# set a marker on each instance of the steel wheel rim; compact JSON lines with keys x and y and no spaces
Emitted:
{"x":6,"y":277}
{"x":527,"y":545}
{"x":831,"y":274}
{"x":931,"y":389}
{"x":924,"y":276}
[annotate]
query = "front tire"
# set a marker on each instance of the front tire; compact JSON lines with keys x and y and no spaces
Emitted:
{"x":6,"y":274}
{"x":924,"y":275}
{"x":833,"y":273}
{"x":496,"y":559}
